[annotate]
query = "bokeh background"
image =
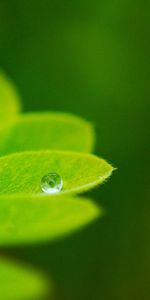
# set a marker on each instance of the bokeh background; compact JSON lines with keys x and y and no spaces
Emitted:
{"x":91,"y":58}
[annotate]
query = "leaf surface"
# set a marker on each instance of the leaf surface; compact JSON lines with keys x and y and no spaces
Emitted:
{"x":34,"y":219}
{"x":20,"y":283}
{"x":9,"y":99}
{"x":21,"y":173}
{"x":39,"y":131}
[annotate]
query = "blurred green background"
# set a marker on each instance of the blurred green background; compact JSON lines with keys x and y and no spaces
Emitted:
{"x":91,"y":58}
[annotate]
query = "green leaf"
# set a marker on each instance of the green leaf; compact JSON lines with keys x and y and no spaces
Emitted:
{"x":21,"y":173}
{"x":39,"y":131}
{"x":27,"y":219}
{"x":21,"y":283}
{"x":9,"y":99}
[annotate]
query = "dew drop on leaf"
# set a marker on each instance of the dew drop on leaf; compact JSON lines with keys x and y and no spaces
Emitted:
{"x":51,"y":183}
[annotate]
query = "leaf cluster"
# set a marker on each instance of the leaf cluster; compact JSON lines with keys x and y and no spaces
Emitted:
{"x":32,"y":145}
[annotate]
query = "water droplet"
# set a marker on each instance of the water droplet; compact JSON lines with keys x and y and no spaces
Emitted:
{"x":51,"y":183}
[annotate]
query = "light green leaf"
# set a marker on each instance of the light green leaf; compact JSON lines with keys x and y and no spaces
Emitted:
{"x":39,"y":131}
{"x":9,"y":99}
{"x":21,"y":173}
{"x":27,"y":219}
{"x":21,"y":283}
{"x":28,"y":215}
